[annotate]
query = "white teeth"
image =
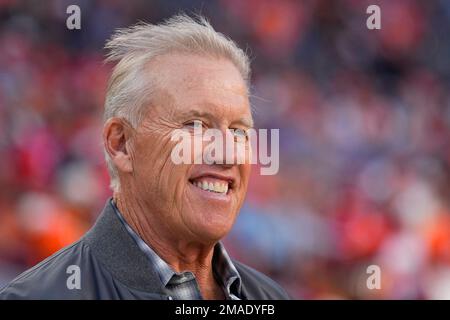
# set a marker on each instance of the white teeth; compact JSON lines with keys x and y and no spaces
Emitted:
{"x":219,"y":187}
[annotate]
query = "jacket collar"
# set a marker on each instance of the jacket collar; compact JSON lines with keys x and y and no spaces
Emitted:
{"x":113,"y":246}
{"x":119,"y":254}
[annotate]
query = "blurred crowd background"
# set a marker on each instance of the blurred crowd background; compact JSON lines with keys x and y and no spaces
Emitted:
{"x":364,"y":119}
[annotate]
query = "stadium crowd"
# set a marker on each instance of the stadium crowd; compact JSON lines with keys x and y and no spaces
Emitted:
{"x":364,"y":119}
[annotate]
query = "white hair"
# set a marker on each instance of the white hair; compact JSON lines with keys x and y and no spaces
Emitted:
{"x":129,"y":88}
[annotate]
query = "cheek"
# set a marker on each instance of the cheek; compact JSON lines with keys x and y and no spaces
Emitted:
{"x":169,"y":178}
{"x":153,"y":165}
{"x":245,"y":170}
{"x":176,"y":180}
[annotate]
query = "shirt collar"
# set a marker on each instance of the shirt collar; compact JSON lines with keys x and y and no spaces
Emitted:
{"x":223,"y":267}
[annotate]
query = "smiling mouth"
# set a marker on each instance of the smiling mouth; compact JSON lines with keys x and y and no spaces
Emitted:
{"x":213,"y":185}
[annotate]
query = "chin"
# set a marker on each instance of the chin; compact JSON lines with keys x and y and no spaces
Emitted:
{"x":212,"y":229}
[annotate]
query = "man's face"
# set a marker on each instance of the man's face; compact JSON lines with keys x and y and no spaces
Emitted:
{"x":194,"y":91}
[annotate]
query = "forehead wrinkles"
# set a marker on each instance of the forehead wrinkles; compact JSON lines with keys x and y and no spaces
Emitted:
{"x":196,"y":82}
{"x":220,"y":95}
{"x":217,"y":81}
{"x":189,"y":71}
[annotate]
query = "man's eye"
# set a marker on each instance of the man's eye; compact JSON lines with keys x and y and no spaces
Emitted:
{"x":195,"y":124}
{"x":240,"y":134}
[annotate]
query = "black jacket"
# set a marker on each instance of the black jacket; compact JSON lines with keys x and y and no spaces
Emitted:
{"x":111,"y":266}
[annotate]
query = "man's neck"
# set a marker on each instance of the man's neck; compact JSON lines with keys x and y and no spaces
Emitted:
{"x":180,"y":254}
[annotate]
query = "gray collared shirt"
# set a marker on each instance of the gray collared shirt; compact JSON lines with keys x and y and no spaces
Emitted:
{"x":183,"y":286}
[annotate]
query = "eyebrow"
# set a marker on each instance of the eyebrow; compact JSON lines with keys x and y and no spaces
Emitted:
{"x":248,"y":122}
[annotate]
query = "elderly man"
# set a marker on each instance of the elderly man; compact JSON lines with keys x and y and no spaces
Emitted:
{"x":159,"y":235}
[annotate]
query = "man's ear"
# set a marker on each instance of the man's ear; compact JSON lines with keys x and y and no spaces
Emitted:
{"x":116,"y":134}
